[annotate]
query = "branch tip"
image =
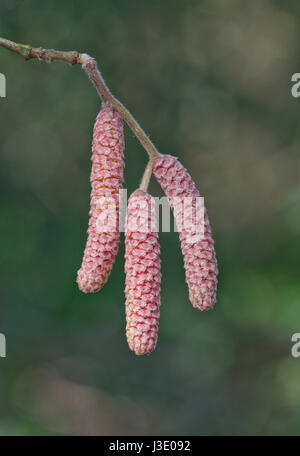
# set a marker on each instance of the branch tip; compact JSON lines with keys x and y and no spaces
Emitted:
{"x":89,"y":64}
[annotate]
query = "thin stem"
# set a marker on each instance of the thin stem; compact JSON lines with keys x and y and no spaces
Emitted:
{"x":147,"y":176}
{"x":90,"y":66}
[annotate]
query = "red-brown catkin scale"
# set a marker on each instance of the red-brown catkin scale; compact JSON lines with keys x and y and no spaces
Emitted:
{"x":106,"y":180}
{"x":199,"y":257}
{"x":142,"y":268}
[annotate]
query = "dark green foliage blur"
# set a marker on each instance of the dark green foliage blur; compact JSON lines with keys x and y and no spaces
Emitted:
{"x":209,"y":80}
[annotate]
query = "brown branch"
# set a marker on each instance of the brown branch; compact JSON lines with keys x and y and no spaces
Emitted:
{"x":49,"y":55}
{"x":90,"y":66}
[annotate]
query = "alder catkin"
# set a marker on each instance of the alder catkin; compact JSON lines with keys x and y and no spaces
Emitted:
{"x":199,"y":254}
{"x":142,"y":268}
{"x":106,"y":181}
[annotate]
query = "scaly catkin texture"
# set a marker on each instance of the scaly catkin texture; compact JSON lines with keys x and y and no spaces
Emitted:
{"x":142,"y":268}
{"x":106,"y":181}
{"x":198,"y":249}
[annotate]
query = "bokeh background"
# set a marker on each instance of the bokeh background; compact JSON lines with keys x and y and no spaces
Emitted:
{"x":209,"y":80}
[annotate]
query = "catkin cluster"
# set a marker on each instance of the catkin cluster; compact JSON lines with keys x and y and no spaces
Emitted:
{"x":142,"y":267}
{"x":196,"y":239}
{"x":142,"y":261}
{"x":106,"y":181}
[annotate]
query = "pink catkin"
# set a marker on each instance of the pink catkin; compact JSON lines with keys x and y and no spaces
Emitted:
{"x":199,"y":257}
{"x":106,"y":181}
{"x":142,"y":268}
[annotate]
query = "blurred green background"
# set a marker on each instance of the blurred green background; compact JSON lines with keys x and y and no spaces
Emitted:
{"x":209,"y":80}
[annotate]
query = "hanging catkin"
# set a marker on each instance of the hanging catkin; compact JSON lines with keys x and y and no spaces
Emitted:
{"x":199,"y":254}
{"x":142,"y":268}
{"x":106,"y":180}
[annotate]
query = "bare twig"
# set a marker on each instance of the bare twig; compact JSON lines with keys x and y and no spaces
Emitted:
{"x":49,"y":55}
{"x":90,"y":66}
